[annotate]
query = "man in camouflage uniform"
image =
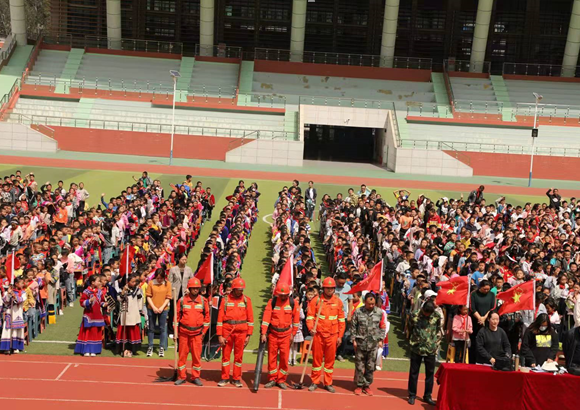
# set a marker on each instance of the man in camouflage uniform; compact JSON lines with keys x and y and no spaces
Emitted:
{"x":425,"y":330}
{"x":368,"y":328}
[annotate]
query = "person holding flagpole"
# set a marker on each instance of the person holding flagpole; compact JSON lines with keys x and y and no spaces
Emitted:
{"x":193,"y":317}
{"x":328,"y":334}
{"x":12,"y":339}
{"x":279,"y":326}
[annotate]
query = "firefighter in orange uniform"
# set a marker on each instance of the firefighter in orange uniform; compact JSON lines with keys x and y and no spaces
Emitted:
{"x":193,"y":317}
{"x":234,"y":328}
{"x":328,"y":334}
{"x":281,"y":318}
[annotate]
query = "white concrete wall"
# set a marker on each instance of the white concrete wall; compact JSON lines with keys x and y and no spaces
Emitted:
{"x":19,"y":137}
{"x":430,"y":162}
{"x":342,"y":116}
{"x":269,"y":152}
{"x":390,"y":148}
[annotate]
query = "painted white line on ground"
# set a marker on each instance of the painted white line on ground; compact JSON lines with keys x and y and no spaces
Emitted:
{"x":140,"y":403}
{"x":170,"y":385}
{"x":157,"y":367}
{"x":279,"y":399}
{"x":63,"y":371}
{"x":264,"y":218}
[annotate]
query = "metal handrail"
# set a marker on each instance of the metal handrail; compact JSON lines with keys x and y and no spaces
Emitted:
{"x":241,"y":141}
{"x":534,"y":69}
{"x":149,"y":127}
{"x":323,"y":57}
{"x":458,"y":155}
{"x":10,"y":42}
{"x":493,"y":148}
{"x":465,"y":66}
{"x":131,"y":44}
{"x":220,"y":50}
{"x":5,"y":100}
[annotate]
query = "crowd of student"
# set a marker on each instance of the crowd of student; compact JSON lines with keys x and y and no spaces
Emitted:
{"x":122,"y":259}
{"x":425,"y":242}
{"x":127,"y":260}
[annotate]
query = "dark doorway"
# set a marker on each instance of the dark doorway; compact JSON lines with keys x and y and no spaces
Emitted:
{"x":342,"y":144}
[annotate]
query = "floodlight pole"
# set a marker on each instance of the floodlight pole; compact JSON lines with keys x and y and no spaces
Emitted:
{"x":173,"y":119}
{"x":538,"y":98}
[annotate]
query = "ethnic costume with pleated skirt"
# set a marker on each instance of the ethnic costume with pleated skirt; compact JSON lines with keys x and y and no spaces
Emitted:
{"x":90,"y":339}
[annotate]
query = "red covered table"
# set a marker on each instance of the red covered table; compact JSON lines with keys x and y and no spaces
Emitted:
{"x":466,"y":387}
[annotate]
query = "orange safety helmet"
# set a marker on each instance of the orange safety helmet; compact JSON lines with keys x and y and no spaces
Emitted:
{"x":238,"y":283}
{"x":193,"y":283}
{"x":282,"y":289}
{"x":328,"y":283}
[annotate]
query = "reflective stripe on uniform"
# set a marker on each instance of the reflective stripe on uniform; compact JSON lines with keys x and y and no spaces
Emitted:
{"x":181,"y":367}
{"x":309,"y":317}
{"x":273,"y":371}
{"x":219,"y":323}
{"x":287,"y":307}
{"x":328,"y":370}
{"x":206,"y":324}
{"x":283,"y":372}
{"x":341,"y":320}
{"x":199,"y":306}
{"x":241,"y":304}
{"x":251,"y":324}
{"x":230,"y":304}
{"x":332,"y":317}
{"x":265,"y":324}
{"x":238,"y":364}
{"x":316,"y":369}
{"x":296,"y":325}
{"x":196,"y":368}
{"x":277,"y":308}
{"x":225,"y":363}
{"x":321,"y":317}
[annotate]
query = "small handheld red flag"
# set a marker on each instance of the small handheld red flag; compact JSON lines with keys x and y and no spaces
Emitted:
{"x":520,"y":297}
{"x":287,"y":273}
{"x":126,"y":260}
{"x":12,"y":264}
{"x":373,"y":282}
{"x":454,"y":291}
{"x":205,"y":271}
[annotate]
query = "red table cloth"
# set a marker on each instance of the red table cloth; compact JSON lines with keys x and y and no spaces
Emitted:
{"x":466,"y":387}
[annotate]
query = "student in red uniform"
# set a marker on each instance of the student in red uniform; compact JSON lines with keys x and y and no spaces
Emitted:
{"x":90,"y":339}
{"x":281,"y":320}
{"x":234,"y":328}
{"x":193,"y":317}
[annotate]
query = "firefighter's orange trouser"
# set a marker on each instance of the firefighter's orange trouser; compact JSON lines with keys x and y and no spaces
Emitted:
{"x":189,"y":342}
{"x":278,"y":344}
{"x":323,"y":347}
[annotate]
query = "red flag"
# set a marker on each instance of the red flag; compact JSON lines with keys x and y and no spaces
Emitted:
{"x":205,"y":271}
{"x":454,"y":291}
{"x":373,"y":282}
{"x":520,"y":297}
{"x":12,"y":264}
{"x":287,"y":274}
{"x":126,"y":260}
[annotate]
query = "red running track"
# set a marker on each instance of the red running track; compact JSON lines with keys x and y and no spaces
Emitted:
{"x":72,"y":382}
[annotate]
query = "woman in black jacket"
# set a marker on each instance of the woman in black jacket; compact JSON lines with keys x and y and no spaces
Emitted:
{"x":492,"y":342}
{"x":540,"y":343}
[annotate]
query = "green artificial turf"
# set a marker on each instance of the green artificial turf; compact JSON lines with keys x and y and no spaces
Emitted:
{"x":257,"y":263}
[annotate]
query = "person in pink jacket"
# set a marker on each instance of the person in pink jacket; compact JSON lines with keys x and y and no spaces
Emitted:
{"x":462,"y":328}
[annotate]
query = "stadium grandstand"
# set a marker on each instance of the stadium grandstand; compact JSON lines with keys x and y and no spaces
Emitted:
{"x":299,"y":80}
{"x":323,"y":112}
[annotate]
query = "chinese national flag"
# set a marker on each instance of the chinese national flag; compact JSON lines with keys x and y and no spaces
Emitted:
{"x":373,"y":282}
{"x":520,"y":297}
{"x":287,"y":274}
{"x":454,"y":291}
{"x":12,"y":264}
{"x":205,"y":271}
{"x":126,"y":260}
